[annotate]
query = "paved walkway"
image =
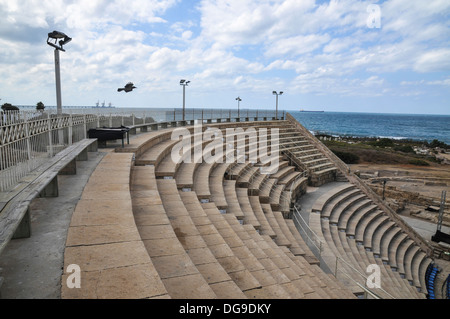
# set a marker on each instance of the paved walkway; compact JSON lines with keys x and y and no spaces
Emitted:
{"x":306,"y":201}
{"x":424,"y":228}
{"x":32,"y":267}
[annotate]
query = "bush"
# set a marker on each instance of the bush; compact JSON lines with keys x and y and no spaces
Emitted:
{"x":384,"y":142}
{"x":9,"y":107}
{"x":40,"y":106}
{"x":419,"y":162}
{"x":404,"y":149}
{"x":347,"y":158}
{"x":437,"y":143}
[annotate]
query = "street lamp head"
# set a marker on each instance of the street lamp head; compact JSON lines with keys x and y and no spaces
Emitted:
{"x":55,"y":35}
{"x":281,"y":92}
{"x":65,"y":41}
{"x":274,"y":92}
{"x":182,"y":81}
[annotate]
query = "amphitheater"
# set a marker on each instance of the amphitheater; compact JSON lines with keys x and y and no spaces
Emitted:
{"x":147,"y":226}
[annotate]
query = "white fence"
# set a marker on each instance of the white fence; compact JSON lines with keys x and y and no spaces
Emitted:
{"x":27,"y":139}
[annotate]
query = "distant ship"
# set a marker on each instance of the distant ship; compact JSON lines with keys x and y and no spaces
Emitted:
{"x":302,"y":110}
{"x":97,"y":105}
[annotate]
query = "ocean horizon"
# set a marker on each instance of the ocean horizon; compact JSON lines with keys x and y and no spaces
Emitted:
{"x":419,"y":127}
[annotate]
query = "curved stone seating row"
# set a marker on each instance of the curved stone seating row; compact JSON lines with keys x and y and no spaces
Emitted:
{"x":272,"y":222}
{"x":357,"y":231}
{"x":378,"y":238}
{"x":276,"y":257}
{"x":359,"y":257}
{"x":321,"y":168}
{"x":328,"y":254}
{"x":202,"y":244}
{"x":268,"y":287}
{"x":260,"y":263}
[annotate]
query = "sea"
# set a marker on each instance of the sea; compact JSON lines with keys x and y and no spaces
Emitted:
{"x":418,"y":127}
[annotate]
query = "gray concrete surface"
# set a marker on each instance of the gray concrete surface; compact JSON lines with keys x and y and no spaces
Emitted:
{"x":306,"y":201}
{"x":424,"y":228}
{"x":32,"y":267}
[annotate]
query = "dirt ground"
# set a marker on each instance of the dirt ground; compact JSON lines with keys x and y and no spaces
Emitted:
{"x":410,"y":182}
{"x":429,"y":180}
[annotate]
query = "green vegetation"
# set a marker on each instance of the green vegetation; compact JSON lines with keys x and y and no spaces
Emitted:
{"x":346,"y":157}
{"x":9,"y":107}
{"x":40,"y":106}
{"x":383,"y":151}
{"x":404,"y":148}
{"x":383,"y":142}
{"x":419,"y":162}
{"x":437,"y":143}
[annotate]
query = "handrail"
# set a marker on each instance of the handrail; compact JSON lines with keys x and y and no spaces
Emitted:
{"x":307,"y":226}
{"x":321,"y":243}
{"x":352,"y":178}
{"x":362,"y":275}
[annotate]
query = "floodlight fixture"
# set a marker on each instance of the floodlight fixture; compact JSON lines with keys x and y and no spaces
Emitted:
{"x":56,"y":35}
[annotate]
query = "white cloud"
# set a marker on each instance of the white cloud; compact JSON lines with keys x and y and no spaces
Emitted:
{"x":295,"y":46}
{"x":307,"y":47}
{"x":433,"y":61}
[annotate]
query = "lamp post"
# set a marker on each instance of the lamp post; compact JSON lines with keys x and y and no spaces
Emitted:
{"x":184,"y":83}
{"x":276,"y":111}
{"x":239,"y":100}
{"x":64,"y":39}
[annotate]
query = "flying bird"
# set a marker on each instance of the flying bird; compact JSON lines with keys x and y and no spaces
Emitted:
{"x":128,"y":87}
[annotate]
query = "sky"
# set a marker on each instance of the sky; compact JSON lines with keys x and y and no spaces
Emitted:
{"x":388,"y":56}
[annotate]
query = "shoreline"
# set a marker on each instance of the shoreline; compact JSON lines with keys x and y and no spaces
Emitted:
{"x":362,"y":138}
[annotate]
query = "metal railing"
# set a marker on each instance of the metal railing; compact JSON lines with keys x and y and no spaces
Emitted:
{"x":29,"y":137}
{"x":341,"y":266}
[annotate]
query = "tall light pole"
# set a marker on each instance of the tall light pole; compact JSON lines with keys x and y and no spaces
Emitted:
{"x":184,"y":83}
{"x":239,"y":100}
{"x":55,"y":35}
{"x":275,"y":93}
